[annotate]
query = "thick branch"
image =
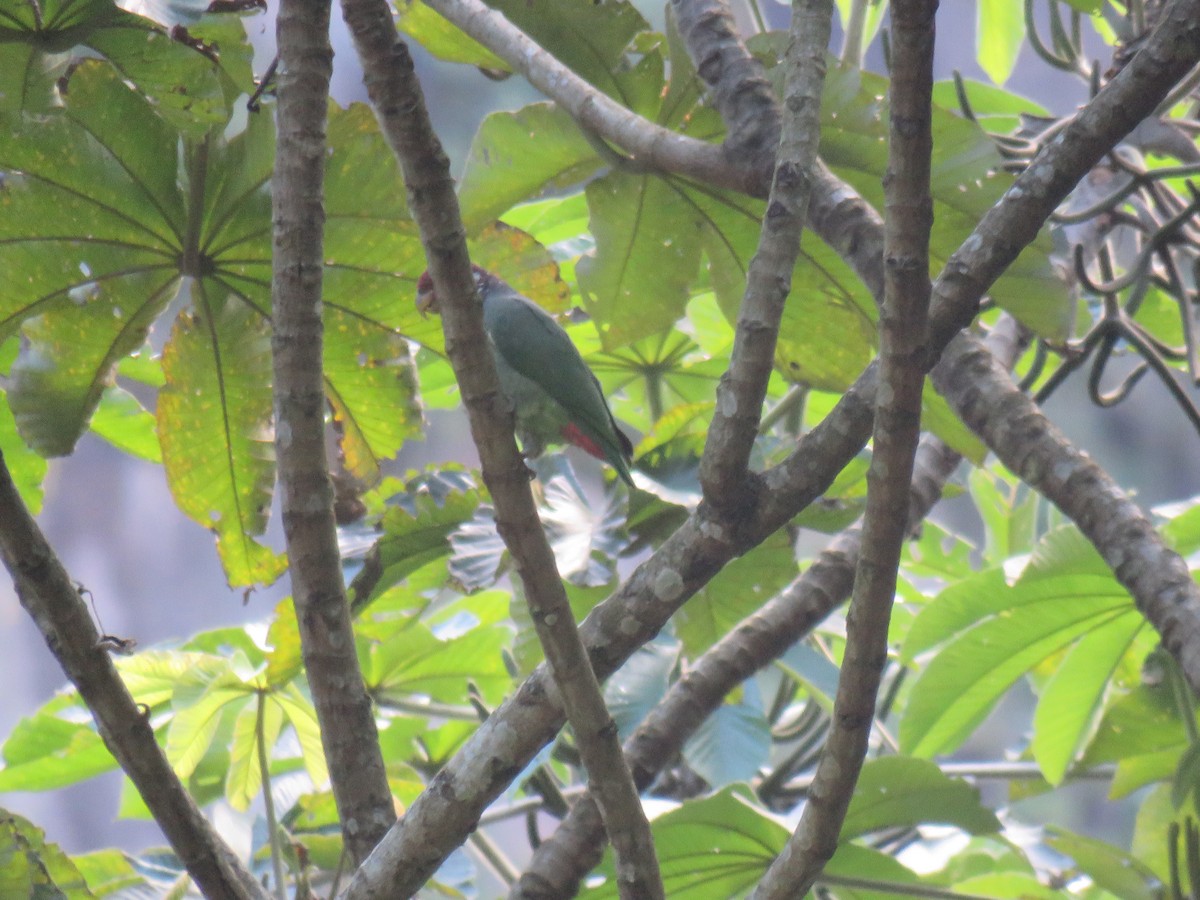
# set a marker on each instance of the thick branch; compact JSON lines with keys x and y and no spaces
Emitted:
{"x":399,"y":105}
{"x":897,"y":429}
{"x":54,"y":603}
{"x":724,"y":466}
{"x":737,"y":81}
{"x":344,"y":710}
{"x":440,"y":819}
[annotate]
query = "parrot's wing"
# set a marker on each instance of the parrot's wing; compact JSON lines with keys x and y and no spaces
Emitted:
{"x":533,"y":344}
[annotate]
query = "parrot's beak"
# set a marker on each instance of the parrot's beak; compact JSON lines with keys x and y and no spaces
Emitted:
{"x":426,"y":301}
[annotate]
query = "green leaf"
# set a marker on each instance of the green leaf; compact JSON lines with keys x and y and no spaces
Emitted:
{"x":517,"y":156}
{"x":1109,"y":867}
{"x":997,"y":110}
{"x":415,"y":662}
{"x":1072,"y":700}
{"x":45,"y":752}
{"x":894,"y":791}
{"x":373,"y":254}
{"x":827,"y":334}
{"x":303,"y":718}
{"x":716,"y":847}
{"x":1152,"y":835}
{"x":591,"y":38}
{"x":996,"y":634}
{"x":370,"y":383}
{"x":999,"y":34}
{"x":195,"y":722}
{"x":865,"y":865}
{"x":32,"y":867}
{"x":639,"y":685}
{"x":107,"y":872}
{"x":122,"y":421}
{"x":153,"y":677}
{"x":36,"y":47}
{"x":1143,"y":733}
{"x":71,"y":355}
{"x":647,"y":253}
{"x":245,"y":775}
{"x":443,"y":39}
{"x":736,"y":591}
{"x":731,"y":745}
{"x":284,"y":659}
{"x":27,"y":468}
{"x":417,"y":526}
{"x":966,"y":181}
{"x":214,"y":423}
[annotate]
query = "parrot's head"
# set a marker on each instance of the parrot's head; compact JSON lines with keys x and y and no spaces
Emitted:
{"x":427,"y":299}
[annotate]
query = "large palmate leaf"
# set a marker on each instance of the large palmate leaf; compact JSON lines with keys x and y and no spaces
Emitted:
{"x":37,"y":41}
{"x":109,"y":207}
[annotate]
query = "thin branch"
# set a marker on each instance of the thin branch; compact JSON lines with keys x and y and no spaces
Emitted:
{"x":344,"y":710}
{"x":897,"y":429}
{"x":54,"y":603}
{"x":724,"y":466}
{"x":650,"y":144}
{"x":399,"y":105}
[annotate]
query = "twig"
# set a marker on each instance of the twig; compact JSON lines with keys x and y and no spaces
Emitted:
{"x":396,"y":97}
{"x":344,"y":710}
{"x":50,"y":597}
{"x":724,"y":465}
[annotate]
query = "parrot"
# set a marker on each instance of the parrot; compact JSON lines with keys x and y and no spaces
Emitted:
{"x":553,"y":394}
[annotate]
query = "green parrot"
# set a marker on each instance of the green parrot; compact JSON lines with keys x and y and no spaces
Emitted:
{"x":553,"y":394}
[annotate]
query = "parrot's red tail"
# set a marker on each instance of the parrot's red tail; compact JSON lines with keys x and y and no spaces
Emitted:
{"x":572,"y":435}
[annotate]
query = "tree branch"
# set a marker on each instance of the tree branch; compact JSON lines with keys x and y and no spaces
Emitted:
{"x":737,"y":81}
{"x":724,"y":466}
{"x":649,"y":144}
{"x":902,"y":347}
{"x":54,"y":603}
{"x":399,"y":105}
{"x":344,"y":710}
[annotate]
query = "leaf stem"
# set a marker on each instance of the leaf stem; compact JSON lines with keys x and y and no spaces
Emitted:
{"x":260,"y":743}
{"x":852,"y":43}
